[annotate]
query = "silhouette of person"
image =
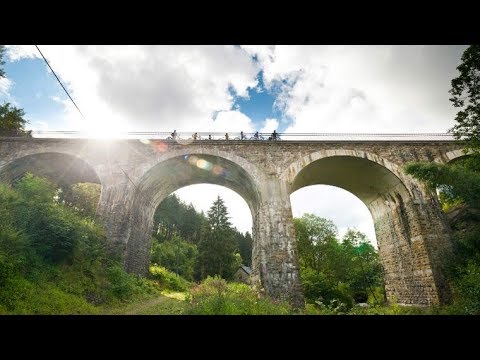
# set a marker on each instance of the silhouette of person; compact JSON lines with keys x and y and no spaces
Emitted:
{"x":274,"y":135}
{"x":174,"y":134}
{"x":226,"y":136}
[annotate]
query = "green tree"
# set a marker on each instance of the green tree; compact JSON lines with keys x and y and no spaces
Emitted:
{"x":217,"y":245}
{"x":459,"y":182}
{"x":174,"y":216}
{"x":81,"y":197}
{"x":2,"y":62}
{"x":366,"y":271}
{"x":244,"y":244}
{"x":332,"y":271}
{"x":12,"y":122}
{"x":466,"y":96}
{"x":176,"y":255}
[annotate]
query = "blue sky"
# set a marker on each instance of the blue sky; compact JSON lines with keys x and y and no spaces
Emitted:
{"x":33,"y":89}
{"x":294,"y":89}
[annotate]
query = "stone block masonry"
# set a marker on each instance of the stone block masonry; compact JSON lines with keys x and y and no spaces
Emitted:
{"x":135,"y":176}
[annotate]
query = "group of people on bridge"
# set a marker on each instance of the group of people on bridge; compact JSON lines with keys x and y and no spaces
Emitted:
{"x":274,"y":136}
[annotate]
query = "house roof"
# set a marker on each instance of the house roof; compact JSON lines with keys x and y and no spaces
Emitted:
{"x":246,"y":269}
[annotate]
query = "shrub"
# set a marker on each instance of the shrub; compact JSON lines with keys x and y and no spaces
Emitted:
{"x":167,"y":279}
{"x":214,"y":296}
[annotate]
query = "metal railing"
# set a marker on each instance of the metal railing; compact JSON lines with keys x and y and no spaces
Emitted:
{"x":236,"y":136}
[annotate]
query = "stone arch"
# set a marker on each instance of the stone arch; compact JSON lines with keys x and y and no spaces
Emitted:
{"x":61,"y":168}
{"x":255,"y":173}
{"x":452,"y":155}
{"x":405,"y":220}
{"x":172,"y":172}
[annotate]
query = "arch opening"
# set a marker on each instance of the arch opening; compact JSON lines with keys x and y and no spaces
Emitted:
{"x":345,"y":209}
{"x":395,"y":215}
{"x":182,"y":242}
{"x":62,"y":169}
{"x":171,"y":175}
{"x":78,"y":184}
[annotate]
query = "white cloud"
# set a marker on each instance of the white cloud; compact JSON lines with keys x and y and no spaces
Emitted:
{"x":269,"y":125}
{"x":203,"y":195}
{"x":338,"y":205}
{"x":153,"y":88}
{"x":5,"y":85}
{"x":18,"y":52}
{"x":362,"y":88}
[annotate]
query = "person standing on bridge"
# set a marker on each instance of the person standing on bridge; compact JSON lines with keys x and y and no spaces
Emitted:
{"x":226,"y":136}
{"x":274,"y":135}
{"x":174,"y":135}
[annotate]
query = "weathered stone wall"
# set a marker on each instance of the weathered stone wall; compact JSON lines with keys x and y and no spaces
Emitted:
{"x":135,"y":177}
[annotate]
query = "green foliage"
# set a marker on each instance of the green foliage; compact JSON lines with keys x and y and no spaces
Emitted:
{"x":175,"y":217}
{"x":457,"y":182}
{"x":176,"y":255}
{"x":52,"y":260}
{"x":336,"y":274}
{"x":178,"y":228}
{"x":81,"y":197}
{"x":125,"y":286}
{"x":217,"y":245}
{"x":167,"y":279}
{"x":245,"y":244}
{"x":12,"y":122}
{"x":214,"y":296}
{"x":466,"y":96}
{"x":21,"y":296}
{"x":467,"y":288}
{"x":2,"y":62}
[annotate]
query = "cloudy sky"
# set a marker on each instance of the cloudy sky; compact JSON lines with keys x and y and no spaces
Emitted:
{"x":234,"y":88}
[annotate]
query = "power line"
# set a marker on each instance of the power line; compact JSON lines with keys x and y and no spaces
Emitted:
{"x":59,"y":81}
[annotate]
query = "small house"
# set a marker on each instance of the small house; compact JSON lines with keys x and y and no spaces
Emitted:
{"x":243,"y":274}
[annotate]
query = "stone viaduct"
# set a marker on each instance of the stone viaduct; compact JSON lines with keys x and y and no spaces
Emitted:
{"x":136,"y":175}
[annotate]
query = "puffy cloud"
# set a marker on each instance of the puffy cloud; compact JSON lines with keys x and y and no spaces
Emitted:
{"x":269,"y":125}
{"x":5,"y":85}
{"x":18,"y":52}
{"x":154,"y":88}
{"x":362,"y":88}
{"x":338,"y":205}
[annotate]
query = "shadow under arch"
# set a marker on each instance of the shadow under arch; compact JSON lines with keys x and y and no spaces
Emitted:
{"x":392,"y":200}
{"x":60,"y":168}
{"x":372,"y":179}
{"x":170,"y":175}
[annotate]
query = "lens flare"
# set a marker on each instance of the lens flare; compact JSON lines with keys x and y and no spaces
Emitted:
{"x":160,"y":146}
{"x":192,"y":160}
{"x":217,"y":170}
{"x":204,"y":164}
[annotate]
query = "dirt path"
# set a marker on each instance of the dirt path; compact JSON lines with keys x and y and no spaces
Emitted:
{"x":167,"y":304}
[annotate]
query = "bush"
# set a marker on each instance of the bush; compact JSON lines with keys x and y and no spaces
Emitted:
{"x":467,"y":289}
{"x":214,"y":296}
{"x":167,"y":279}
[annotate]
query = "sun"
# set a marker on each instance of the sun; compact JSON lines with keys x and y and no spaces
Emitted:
{"x":106,"y":130}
